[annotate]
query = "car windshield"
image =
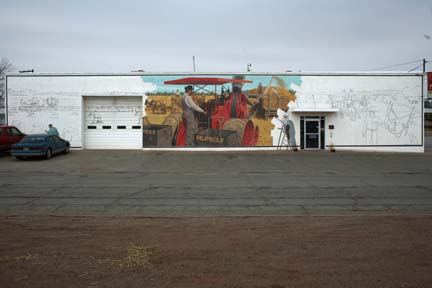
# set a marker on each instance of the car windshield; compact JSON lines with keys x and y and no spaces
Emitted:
{"x":33,"y":140}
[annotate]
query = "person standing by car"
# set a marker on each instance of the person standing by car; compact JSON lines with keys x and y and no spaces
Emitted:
{"x":52,"y":130}
{"x":189,"y":107}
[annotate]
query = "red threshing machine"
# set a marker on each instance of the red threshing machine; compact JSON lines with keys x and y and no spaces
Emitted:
{"x":228,"y":122}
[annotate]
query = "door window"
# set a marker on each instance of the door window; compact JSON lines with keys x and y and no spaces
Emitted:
{"x":312,"y":135}
{"x":14,"y":132}
{"x":312,"y":126}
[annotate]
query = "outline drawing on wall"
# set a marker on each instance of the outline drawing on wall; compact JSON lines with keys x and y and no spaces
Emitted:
{"x":49,"y":104}
{"x":396,"y":119}
{"x":94,"y":118}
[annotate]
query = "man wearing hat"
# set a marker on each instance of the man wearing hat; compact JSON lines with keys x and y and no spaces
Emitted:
{"x":236,"y":106}
{"x":238,"y":101}
{"x":189,"y":107}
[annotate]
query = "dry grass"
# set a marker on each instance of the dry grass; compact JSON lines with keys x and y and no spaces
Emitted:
{"x":136,"y":257}
{"x":21,"y":258}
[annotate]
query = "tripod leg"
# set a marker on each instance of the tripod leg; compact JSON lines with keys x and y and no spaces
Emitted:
{"x":279,"y":140}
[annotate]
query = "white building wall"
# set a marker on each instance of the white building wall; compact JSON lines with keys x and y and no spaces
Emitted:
{"x":375,"y":113}
{"x":35,"y":101}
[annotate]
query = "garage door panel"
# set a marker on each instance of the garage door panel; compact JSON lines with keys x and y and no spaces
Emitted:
{"x":113,"y":122}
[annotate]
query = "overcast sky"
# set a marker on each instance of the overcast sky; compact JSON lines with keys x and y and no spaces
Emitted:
{"x":224,"y":35}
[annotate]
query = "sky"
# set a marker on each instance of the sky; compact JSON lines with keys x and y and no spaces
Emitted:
{"x":223,"y":35}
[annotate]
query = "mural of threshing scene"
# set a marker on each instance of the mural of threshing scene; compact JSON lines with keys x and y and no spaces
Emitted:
{"x":214,"y":111}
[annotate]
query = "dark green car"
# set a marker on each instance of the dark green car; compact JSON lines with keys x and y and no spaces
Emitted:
{"x":39,"y":145}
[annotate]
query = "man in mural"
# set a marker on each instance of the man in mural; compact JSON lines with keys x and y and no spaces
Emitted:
{"x":52,"y":130}
{"x":236,"y":105}
{"x":189,"y":107}
{"x":238,"y":100}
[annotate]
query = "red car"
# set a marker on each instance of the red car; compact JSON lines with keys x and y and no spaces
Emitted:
{"x":9,"y":135}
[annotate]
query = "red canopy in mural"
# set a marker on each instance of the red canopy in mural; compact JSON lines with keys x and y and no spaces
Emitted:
{"x":204,"y":81}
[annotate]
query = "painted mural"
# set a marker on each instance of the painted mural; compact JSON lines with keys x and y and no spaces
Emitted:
{"x":365,"y":111}
{"x":216,"y":111}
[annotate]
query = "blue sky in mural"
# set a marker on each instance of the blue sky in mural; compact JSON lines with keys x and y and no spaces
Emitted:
{"x":264,"y":80}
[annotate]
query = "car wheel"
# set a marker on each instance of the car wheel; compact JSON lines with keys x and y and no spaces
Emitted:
{"x":48,"y":154}
{"x":66,"y":149}
{"x":19,"y":157}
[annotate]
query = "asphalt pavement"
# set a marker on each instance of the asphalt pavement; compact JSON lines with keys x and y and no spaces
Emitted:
{"x":165,"y":184}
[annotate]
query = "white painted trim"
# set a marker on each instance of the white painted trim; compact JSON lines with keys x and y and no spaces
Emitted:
{"x":213,"y":149}
{"x":186,"y":73}
{"x":275,"y":148}
{"x":313,"y":110}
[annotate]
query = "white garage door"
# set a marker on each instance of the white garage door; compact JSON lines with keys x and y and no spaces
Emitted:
{"x":113,"y":122}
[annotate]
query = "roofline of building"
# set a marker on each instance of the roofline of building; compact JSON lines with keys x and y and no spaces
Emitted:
{"x":317,"y":73}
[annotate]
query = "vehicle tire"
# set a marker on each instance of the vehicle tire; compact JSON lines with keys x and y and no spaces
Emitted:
{"x":174,"y":120}
{"x":244,"y":132}
{"x":66,"y":151}
{"x":48,"y":154}
{"x":19,"y":157}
